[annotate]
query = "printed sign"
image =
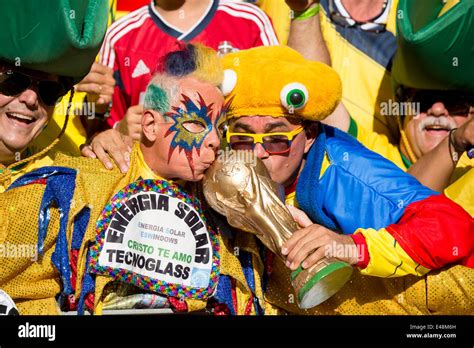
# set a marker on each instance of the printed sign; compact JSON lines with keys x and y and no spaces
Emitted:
{"x":153,"y":234}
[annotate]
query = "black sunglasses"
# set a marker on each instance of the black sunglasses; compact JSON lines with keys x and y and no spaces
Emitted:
{"x":456,"y":103}
{"x":13,"y":83}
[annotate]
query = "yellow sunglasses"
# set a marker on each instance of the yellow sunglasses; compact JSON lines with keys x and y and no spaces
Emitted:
{"x":277,"y":143}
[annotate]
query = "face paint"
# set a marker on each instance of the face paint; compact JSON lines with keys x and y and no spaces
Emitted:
{"x":186,"y":119}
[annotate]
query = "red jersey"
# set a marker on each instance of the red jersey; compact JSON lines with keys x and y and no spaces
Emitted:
{"x":135,"y":43}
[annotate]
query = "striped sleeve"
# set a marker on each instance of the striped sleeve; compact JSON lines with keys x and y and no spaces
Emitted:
{"x":117,"y":30}
{"x":267,"y":35}
{"x":433,"y":233}
{"x":382,"y":256}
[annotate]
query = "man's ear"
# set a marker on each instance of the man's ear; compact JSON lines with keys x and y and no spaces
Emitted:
{"x":150,"y":121}
{"x":311,"y":132}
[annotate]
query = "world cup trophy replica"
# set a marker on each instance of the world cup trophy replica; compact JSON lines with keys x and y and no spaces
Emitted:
{"x":239,"y":187}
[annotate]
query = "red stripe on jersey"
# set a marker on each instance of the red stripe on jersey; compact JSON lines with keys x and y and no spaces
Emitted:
{"x":249,"y":15}
{"x":118,"y":29}
{"x":436,"y":232}
{"x":131,"y":5}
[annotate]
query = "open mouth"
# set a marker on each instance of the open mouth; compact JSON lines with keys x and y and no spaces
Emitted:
{"x":437,"y":128}
{"x":20,"y":118}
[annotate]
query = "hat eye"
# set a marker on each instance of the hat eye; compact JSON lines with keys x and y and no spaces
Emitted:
{"x":229,"y":82}
{"x":294,"y":96}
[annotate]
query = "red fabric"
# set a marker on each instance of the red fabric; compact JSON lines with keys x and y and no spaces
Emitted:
{"x":178,"y":305}
{"x":448,"y":233}
{"x":361,"y":244}
{"x":130,"y":5}
{"x":71,"y":302}
{"x":291,"y":188}
{"x":135,"y":43}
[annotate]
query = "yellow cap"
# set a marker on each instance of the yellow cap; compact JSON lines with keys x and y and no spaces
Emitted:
{"x":278,"y":81}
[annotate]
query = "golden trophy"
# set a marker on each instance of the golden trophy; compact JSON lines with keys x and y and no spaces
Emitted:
{"x":239,"y":187}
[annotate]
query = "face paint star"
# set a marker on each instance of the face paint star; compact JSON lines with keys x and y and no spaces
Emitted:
{"x":183,"y":138}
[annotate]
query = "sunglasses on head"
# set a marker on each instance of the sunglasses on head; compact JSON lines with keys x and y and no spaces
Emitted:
{"x":13,"y":83}
{"x":274,"y":143}
{"x":456,"y":103}
{"x":348,"y":22}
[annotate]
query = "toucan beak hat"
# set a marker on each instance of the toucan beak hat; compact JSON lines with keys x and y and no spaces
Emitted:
{"x":435,"y":42}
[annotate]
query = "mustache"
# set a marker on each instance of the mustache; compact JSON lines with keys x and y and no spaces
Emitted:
{"x":441,"y":121}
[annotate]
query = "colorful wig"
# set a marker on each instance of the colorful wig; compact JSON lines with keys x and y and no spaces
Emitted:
{"x":191,"y":60}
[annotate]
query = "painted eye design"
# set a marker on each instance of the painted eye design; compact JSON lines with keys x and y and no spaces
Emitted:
{"x":229,"y":82}
{"x":194,"y":126}
{"x":294,"y":96}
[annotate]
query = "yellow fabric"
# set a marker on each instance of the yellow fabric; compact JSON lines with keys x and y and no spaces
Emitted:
{"x":280,"y":13}
{"x":251,"y":96}
{"x":35,"y":284}
{"x":387,"y":258}
{"x":444,"y":292}
{"x":366,"y":84}
{"x":462,"y":191}
{"x":380,"y":144}
{"x":447,"y":6}
{"x":31,"y":284}
{"x":30,"y":166}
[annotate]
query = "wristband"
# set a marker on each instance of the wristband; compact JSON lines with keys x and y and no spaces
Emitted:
{"x":308,"y":13}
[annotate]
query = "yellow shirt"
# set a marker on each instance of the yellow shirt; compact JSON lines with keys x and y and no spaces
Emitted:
{"x":366,"y":83}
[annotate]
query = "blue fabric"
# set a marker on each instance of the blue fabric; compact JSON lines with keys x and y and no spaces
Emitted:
{"x":360,"y":189}
{"x":81,"y":221}
{"x":224,"y":292}
{"x":60,"y":186}
{"x":88,"y":284}
{"x":381,"y":47}
{"x":245,"y":259}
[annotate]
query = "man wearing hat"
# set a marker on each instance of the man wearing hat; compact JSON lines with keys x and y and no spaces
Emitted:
{"x":40,"y":61}
{"x":433,"y":96}
{"x":397,"y":226}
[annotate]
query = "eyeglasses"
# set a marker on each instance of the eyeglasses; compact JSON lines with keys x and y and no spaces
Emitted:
{"x":274,"y":143}
{"x":456,"y":103}
{"x":13,"y":83}
{"x":349,"y":22}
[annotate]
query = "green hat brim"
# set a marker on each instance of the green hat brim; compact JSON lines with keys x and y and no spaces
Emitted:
{"x":434,"y":52}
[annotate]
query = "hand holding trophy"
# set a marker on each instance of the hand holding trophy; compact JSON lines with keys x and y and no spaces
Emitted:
{"x":239,"y":187}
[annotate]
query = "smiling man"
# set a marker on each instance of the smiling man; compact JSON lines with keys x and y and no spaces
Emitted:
{"x":34,"y":74}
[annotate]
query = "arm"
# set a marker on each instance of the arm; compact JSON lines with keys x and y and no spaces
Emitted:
{"x":432,"y":234}
{"x":435,"y":169}
{"x":305,"y":34}
{"x":306,"y":37}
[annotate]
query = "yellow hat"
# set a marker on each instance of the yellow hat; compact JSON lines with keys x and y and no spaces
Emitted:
{"x":278,"y":81}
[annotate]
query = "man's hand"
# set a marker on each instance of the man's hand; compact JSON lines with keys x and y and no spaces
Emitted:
{"x":99,"y":85}
{"x":110,"y":143}
{"x":463,"y":137}
{"x":300,"y":5}
{"x":131,"y":124}
{"x":314,"y":242}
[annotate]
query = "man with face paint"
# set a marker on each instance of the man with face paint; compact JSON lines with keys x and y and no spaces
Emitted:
{"x":184,"y":113}
{"x":391,"y":224}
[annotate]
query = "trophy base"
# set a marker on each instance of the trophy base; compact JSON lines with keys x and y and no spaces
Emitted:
{"x":315,"y":285}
